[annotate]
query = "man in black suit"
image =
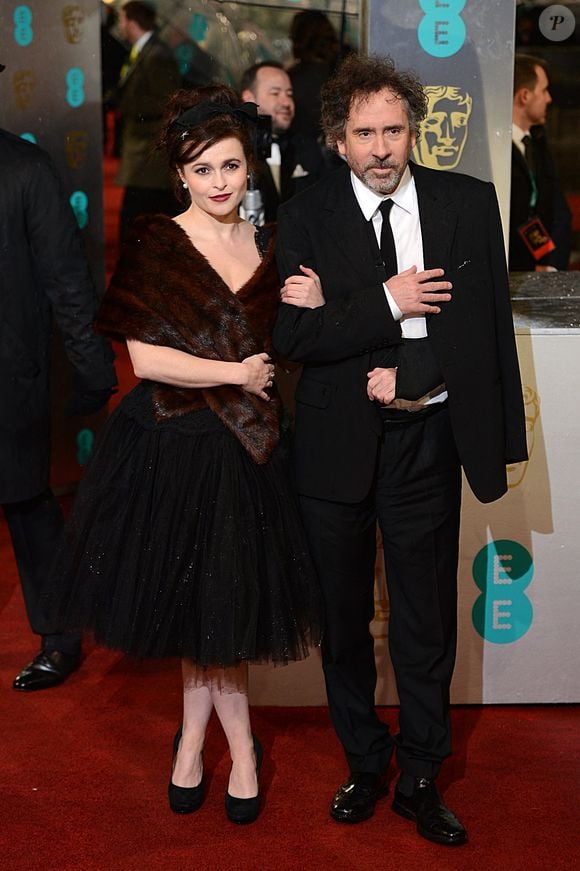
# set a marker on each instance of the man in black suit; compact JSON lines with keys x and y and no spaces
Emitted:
{"x":149,"y":76}
{"x":535,"y":187}
{"x":43,"y":277}
{"x":391,"y":268}
{"x":295,"y":160}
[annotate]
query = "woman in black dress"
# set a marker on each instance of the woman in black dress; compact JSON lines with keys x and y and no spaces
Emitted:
{"x":185,"y":537}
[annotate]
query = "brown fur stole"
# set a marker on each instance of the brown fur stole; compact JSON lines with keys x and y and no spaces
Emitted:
{"x":164,"y":292}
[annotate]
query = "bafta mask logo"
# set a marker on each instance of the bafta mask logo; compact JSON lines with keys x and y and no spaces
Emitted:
{"x":76,"y":145}
{"x":443,"y":133}
{"x":516,"y":472}
{"x":23,"y":83}
{"x":73,"y":17}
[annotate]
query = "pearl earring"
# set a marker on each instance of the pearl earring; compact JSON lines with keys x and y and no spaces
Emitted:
{"x":184,"y":184}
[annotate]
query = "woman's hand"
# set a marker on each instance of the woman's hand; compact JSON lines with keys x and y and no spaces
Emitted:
{"x":303,"y":291}
{"x":259,"y":374}
{"x":381,"y":385}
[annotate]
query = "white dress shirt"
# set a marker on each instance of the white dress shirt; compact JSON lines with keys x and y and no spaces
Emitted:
{"x":406,"y":228}
{"x":142,"y":41}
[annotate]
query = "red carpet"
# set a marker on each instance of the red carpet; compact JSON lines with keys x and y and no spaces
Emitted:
{"x":84,"y":769}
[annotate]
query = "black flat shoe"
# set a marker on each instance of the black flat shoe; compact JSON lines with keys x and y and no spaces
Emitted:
{"x":246,"y":810}
{"x":47,"y":670}
{"x":434,"y":821}
{"x":355,"y":800}
{"x":184,"y":799}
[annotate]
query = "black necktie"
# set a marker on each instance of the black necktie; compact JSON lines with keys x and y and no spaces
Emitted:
{"x":388,"y":251}
{"x":418,"y":371}
{"x":528,"y":151}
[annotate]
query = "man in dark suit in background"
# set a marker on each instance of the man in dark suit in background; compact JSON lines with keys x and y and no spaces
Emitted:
{"x":535,"y":188}
{"x":146,"y":80}
{"x":388,"y":266}
{"x":43,"y":274}
{"x":295,"y":161}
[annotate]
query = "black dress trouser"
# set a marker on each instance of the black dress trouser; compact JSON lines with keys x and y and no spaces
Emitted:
{"x":36,"y":527}
{"x":416,"y":498}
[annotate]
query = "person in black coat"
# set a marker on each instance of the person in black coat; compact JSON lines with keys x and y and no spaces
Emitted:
{"x":396,"y":301}
{"x":43,"y":273}
{"x":316,"y":50}
{"x":146,"y":81}
{"x":535,"y":187}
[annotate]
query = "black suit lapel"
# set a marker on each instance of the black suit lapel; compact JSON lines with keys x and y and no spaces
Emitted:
{"x":438,"y":216}
{"x":347,"y":229}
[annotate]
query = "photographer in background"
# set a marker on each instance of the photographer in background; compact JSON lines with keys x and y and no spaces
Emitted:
{"x":288,"y":162}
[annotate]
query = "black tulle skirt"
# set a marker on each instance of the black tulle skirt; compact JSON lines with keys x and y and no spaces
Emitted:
{"x":178,"y":544}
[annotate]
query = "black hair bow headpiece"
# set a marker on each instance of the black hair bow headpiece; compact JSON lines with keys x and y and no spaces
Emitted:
{"x":247,"y":112}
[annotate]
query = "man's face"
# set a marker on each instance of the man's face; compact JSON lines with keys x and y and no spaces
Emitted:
{"x":444,"y":130}
{"x":538,"y":99}
{"x":273,"y":94}
{"x":378,"y":141}
{"x":124,"y":26}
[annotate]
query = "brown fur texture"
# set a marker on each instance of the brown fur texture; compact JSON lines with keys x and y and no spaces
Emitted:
{"x":164,"y":292}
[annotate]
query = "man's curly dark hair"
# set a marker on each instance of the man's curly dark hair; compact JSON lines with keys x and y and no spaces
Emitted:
{"x":358,"y":78}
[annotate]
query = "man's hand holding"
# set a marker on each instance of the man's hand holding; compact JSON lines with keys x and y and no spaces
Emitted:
{"x":381,"y":385}
{"x":303,"y":291}
{"x":416,"y":293}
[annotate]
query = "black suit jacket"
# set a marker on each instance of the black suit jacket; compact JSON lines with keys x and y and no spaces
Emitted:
{"x":43,"y":276}
{"x":551,"y":207}
{"x":297,"y":150}
{"x":141,"y":98}
{"x":337,"y":427}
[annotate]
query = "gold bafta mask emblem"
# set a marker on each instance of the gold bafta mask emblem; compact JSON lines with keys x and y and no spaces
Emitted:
{"x":516,"y":472}
{"x":23,"y":82}
{"x":76,"y":145}
{"x":72,"y":20}
{"x":443,"y":133}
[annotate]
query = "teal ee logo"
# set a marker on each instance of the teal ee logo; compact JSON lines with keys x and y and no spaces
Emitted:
{"x":80,"y":202}
{"x":85,"y":441}
{"x":198,"y":27}
{"x":184,"y":57}
{"x":75,"y":87}
{"x":22,"y":18}
{"x":441,"y":32}
{"x":502,"y":570}
{"x":30,"y":137}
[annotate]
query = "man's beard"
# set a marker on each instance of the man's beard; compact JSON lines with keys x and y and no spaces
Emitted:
{"x":383,"y":186}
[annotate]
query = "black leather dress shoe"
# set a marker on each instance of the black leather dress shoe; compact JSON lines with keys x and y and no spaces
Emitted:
{"x":355,"y":800}
{"x":434,"y":821}
{"x":47,"y":670}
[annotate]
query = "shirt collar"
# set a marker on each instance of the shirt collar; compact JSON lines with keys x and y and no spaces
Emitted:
{"x":405,"y":195}
{"x":143,"y":40}
{"x":518,"y":134}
